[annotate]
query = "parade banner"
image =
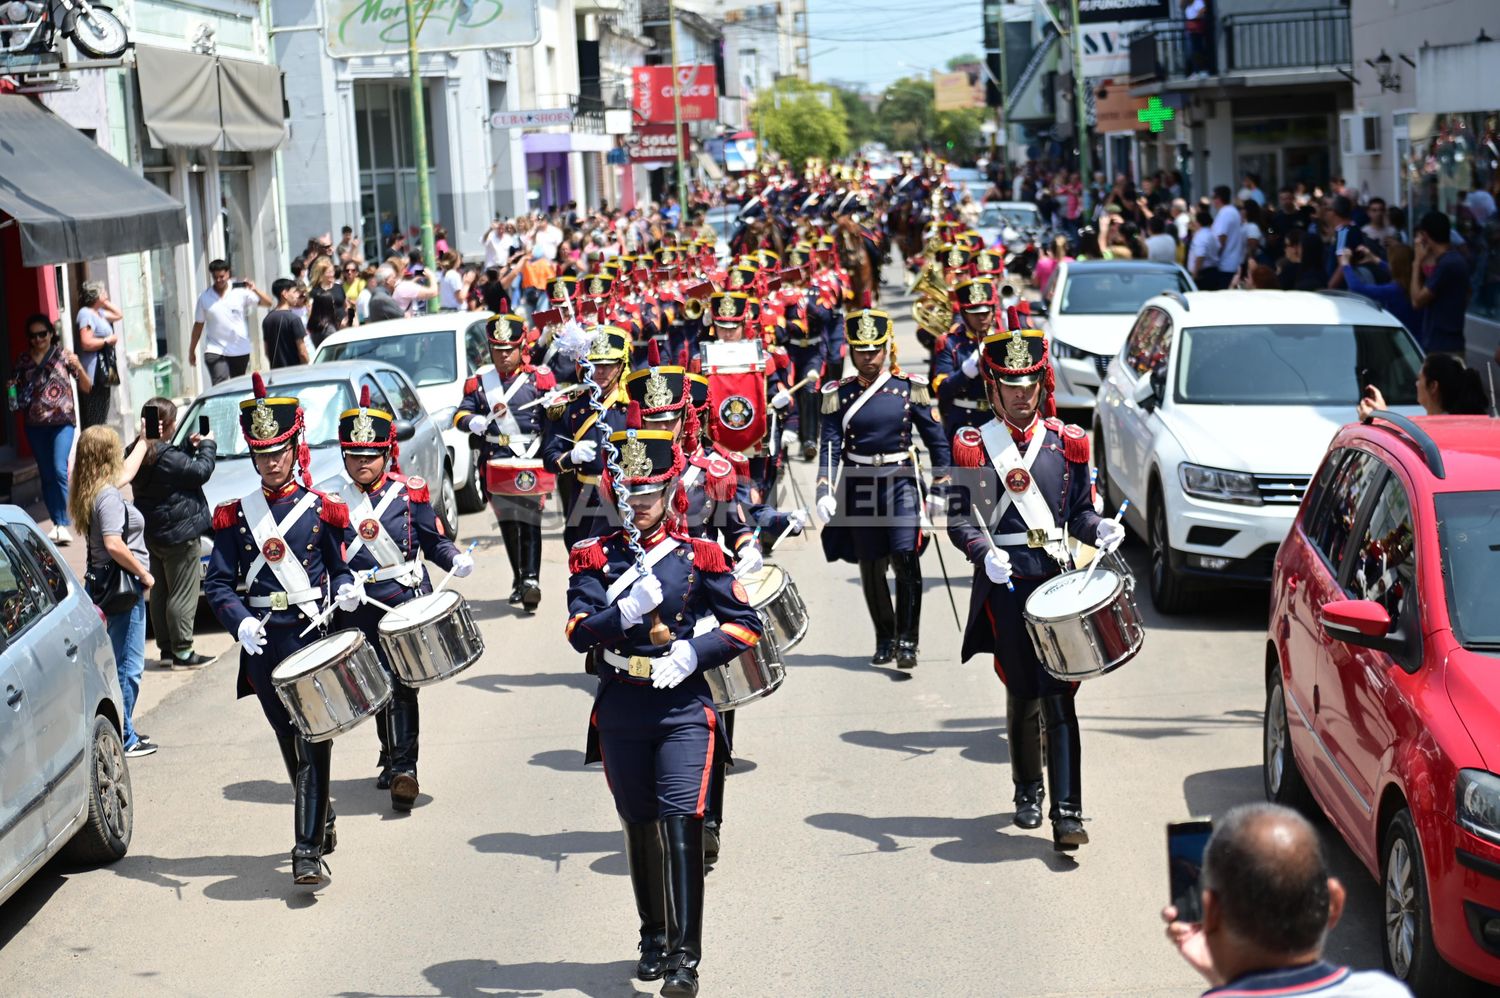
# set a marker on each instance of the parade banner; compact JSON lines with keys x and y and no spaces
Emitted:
{"x":737,"y":409}
{"x":651,"y":93}
{"x":378,"y":27}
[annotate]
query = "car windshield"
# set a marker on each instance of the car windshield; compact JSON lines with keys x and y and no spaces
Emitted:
{"x":1469,"y":533}
{"x":993,"y":217}
{"x":1115,"y":292}
{"x":1296,"y":365}
{"x":322,"y":401}
{"x":426,"y":358}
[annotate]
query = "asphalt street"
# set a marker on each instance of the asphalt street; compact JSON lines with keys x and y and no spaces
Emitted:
{"x":868,"y":848}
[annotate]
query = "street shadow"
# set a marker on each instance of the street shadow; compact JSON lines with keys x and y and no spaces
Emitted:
{"x":571,"y":761}
{"x":558,"y":846}
{"x":491,"y":609}
{"x":1215,"y":608}
{"x":501,"y":683}
{"x":986,"y":745}
{"x":349,"y":796}
{"x":963,"y":840}
{"x":489,"y":979}
{"x":1151,"y":728}
{"x":233,"y":878}
{"x":849,"y":663}
{"x":31,"y":898}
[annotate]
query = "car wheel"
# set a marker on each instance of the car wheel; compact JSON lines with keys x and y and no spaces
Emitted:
{"x":471,"y":499}
{"x":105,"y":834}
{"x":447,"y":507}
{"x":1280,"y":773}
{"x":1169,"y":591}
{"x":1409,"y":952}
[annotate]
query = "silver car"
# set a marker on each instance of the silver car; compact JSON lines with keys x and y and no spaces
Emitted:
{"x":325,"y":389}
{"x":64,"y":783}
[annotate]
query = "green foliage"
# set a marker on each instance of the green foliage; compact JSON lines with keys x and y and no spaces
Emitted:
{"x":906,"y":120}
{"x":801,"y":120}
{"x":967,"y":59}
{"x":859,"y":117}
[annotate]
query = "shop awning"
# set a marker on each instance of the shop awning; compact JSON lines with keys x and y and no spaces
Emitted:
{"x":205,"y":102}
{"x":72,"y":200}
{"x":1446,"y":75}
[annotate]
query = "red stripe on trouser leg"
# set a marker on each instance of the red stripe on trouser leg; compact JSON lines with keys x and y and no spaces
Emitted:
{"x":994,"y":638}
{"x":708,"y":762}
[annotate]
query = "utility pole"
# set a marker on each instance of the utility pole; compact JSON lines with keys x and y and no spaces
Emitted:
{"x":419,"y":134}
{"x":1081,"y":128}
{"x":676,"y":115}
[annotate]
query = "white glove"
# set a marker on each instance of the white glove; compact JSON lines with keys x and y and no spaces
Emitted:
{"x":462,"y":566}
{"x":788,"y":439}
{"x":350,"y":595}
{"x":583,"y":452}
{"x":971,"y":365}
{"x":827,"y":506}
{"x":796,"y":520}
{"x":997,"y":566}
{"x":477,"y":425}
{"x":936,"y":505}
{"x":1111,"y":535}
{"x":672,"y":668}
{"x":643,"y":597}
{"x":252,"y":636}
{"x":750,"y":561}
{"x":781,"y":399}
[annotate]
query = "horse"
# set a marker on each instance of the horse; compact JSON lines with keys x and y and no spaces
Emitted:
{"x":906,"y":223}
{"x":861,"y":260}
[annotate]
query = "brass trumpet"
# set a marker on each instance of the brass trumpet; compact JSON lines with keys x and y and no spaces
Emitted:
{"x":693,"y":309}
{"x":933,"y":309}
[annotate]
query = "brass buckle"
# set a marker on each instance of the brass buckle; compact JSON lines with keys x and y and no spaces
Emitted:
{"x":1036,"y":537}
{"x":503,"y":439}
{"x":279,"y":601}
{"x":640,"y":667}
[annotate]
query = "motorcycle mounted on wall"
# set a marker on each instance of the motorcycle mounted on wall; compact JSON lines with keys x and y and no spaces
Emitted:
{"x":30,"y":26}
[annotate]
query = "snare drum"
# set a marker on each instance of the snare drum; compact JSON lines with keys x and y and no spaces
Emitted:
{"x":774,"y":596}
{"x":332,"y":684}
{"x":518,"y":476}
{"x":750,"y":676}
{"x":430,"y":638}
{"x":1082,"y":633}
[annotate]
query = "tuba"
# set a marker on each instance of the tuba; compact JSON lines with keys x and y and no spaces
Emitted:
{"x":933,"y":309}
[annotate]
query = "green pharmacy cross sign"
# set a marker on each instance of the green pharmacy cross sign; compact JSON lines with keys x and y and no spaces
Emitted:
{"x":1155,"y":114}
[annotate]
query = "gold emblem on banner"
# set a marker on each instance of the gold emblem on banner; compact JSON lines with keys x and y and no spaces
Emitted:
{"x":363,"y":431}
{"x":1017,"y":355}
{"x":658,"y":392}
{"x":634,"y":460}
{"x":263,"y":422}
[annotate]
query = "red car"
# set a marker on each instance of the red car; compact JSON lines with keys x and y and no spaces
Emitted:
{"x":1383,"y":679}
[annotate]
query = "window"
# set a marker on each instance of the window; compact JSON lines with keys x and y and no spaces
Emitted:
{"x":1115,"y":292}
{"x":427,"y":358}
{"x":476,"y":347}
{"x":1469,"y":533}
{"x":24,"y":598}
{"x":377,"y":394}
{"x":1149,"y":341}
{"x":52,"y":573}
{"x":1296,"y":365}
{"x":409,"y":407}
{"x":321,"y":404}
{"x":1331,"y":521}
{"x":1385,"y":558}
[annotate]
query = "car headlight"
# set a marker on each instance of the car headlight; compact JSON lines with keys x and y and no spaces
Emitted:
{"x":1479,"y":803}
{"x":1061,"y":351}
{"x":1219,"y":485}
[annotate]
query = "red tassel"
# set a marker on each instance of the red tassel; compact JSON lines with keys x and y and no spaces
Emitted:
{"x":332,"y":511}
{"x":719,"y":479}
{"x":968,"y":448}
{"x":1049,"y":410}
{"x":708,"y":556}
{"x":226,"y":514}
{"x":633,"y":416}
{"x":587,"y":556}
{"x":417,"y":489}
{"x":364,"y":396}
{"x":471,"y":386}
{"x":1075,"y":444}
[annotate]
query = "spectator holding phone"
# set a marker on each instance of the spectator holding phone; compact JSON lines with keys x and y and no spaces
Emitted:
{"x":1445,"y":387}
{"x":220,"y":323}
{"x":168,"y":490}
{"x":1268,"y":905}
{"x":282,"y":333}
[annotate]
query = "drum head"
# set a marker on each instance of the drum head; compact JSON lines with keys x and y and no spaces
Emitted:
{"x":316,"y":655}
{"x":763,"y":586}
{"x":419,"y":611}
{"x":1060,"y":598}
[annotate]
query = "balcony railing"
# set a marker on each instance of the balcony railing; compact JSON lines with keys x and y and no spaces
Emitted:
{"x":1244,"y":43}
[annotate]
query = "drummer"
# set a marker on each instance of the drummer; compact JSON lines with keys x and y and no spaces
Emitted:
{"x":257,"y":543}
{"x":392,"y":525}
{"x":496,"y":408}
{"x":654,"y":723}
{"x":572,"y":436}
{"x":870,"y":493}
{"x":955,"y":361}
{"x":1045,"y":494}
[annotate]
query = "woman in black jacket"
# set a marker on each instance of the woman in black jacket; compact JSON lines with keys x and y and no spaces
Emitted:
{"x":169,"y":493}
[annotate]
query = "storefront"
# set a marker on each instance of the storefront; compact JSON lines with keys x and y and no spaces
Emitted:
{"x":555,"y":171}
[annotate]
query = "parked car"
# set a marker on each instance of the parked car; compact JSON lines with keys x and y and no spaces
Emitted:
{"x":721,"y":218}
{"x":1383,"y":680}
{"x":438,"y":353}
{"x":1214,"y":415}
{"x":1009,"y":222}
{"x":64,"y":780}
{"x":326,"y":389}
{"x":1087,"y":309}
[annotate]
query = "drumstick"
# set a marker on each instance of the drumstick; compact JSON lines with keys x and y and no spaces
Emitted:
{"x":985,"y":527}
{"x":444,"y":583}
{"x":1097,"y":556}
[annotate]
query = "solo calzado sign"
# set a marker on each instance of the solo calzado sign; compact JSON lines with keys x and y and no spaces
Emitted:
{"x":651,"y":93}
{"x":653,"y":144}
{"x":378,"y":27}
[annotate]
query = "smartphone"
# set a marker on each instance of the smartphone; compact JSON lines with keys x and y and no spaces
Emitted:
{"x":203,"y":427}
{"x":153,"y":422}
{"x":239,"y":284}
{"x":1186,"y":843}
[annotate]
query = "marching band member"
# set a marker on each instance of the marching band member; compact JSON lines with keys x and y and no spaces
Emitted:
{"x":654,"y":723}
{"x":391,"y":526}
{"x":1026,"y":473}
{"x":807,"y":316}
{"x":869,"y":490}
{"x":572,"y":436}
{"x":955,"y":362}
{"x":495,"y":408}
{"x":283,"y":543}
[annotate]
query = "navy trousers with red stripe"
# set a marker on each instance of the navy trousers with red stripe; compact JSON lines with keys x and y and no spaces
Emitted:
{"x":658,"y":747}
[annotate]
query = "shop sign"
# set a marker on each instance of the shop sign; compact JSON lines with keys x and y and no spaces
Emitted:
{"x":532,"y":119}
{"x":378,"y":27}
{"x":1104,"y":11}
{"x":651,"y":93}
{"x":654,"y":144}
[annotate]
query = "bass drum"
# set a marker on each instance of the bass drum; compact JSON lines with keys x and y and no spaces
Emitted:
{"x":332,"y":684}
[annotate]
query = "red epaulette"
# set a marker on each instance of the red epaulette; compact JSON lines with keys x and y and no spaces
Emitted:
{"x":587,"y":556}
{"x":1075,"y":444}
{"x":332,"y":510}
{"x":545,"y":379}
{"x":226,"y":514}
{"x":708,"y":556}
{"x":718,"y":477}
{"x":740,"y":462}
{"x":472,"y":385}
{"x":1054,"y":424}
{"x":968,"y":448}
{"x":416,"y":488}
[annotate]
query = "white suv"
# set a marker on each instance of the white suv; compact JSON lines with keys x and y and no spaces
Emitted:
{"x":1216,"y":412}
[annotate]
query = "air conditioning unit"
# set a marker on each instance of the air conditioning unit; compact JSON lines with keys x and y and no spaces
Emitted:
{"x":1360,"y":134}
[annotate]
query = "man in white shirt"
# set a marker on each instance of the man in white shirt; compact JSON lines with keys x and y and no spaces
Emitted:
{"x":496,"y":248}
{"x":1203,"y":252}
{"x":1160,"y":246}
{"x":1230,"y":236}
{"x":1182,"y":219}
{"x":549,"y":237}
{"x":221,"y":314}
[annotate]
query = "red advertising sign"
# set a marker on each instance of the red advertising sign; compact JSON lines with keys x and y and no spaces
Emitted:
{"x":651,"y":93}
{"x":654,"y":144}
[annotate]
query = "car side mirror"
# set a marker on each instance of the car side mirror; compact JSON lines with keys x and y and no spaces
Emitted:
{"x":1366,"y":624}
{"x":405,"y":429}
{"x":1039,"y":309}
{"x":1159,"y":382}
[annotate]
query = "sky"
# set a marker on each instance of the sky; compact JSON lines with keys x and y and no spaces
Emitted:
{"x":873,"y":42}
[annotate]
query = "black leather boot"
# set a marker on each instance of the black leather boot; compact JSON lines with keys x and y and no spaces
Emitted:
{"x":530,"y":536}
{"x":646,"y":857}
{"x":1064,"y":772}
{"x":509,"y":537}
{"x":383,"y":732}
{"x":288,"y":746}
{"x":314,"y":761}
{"x":878,"y":602}
{"x":1023,"y":734}
{"x":808,"y":404}
{"x":908,"y":568}
{"x":684,"y":836}
{"x":405,"y":726}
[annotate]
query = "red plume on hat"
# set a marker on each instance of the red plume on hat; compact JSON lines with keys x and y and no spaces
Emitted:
{"x":364,"y":396}
{"x":653,"y":354}
{"x":633,"y":415}
{"x":258,"y":384}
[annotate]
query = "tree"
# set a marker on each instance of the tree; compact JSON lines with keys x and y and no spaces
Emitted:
{"x":957,"y":135}
{"x":859,"y":117}
{"x":801,"y":120}
{"x":905,"y":119}
{"x":967,"y":59}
